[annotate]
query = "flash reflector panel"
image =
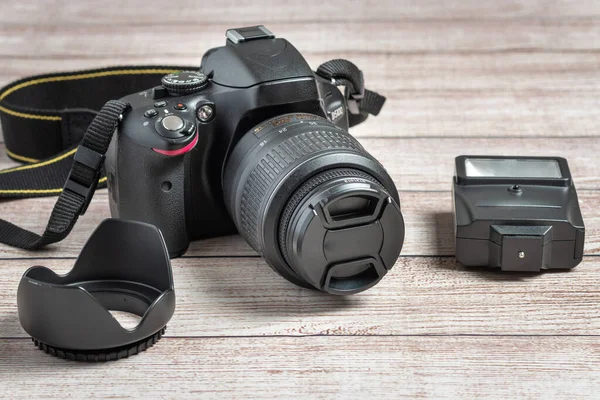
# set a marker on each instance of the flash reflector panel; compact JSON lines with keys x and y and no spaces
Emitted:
{"x":512,"y":167}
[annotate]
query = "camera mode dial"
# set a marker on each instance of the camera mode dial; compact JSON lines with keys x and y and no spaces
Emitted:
{"x":184,"y":82}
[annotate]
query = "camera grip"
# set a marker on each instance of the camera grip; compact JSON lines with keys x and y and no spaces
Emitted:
{"x":149,"y":187}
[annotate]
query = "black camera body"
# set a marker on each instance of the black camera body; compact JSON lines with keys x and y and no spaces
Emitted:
{"x":246,"y":87}
{"x":225,"y":149}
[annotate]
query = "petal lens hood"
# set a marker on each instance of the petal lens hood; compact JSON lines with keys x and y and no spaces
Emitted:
{"x":124,"y":266}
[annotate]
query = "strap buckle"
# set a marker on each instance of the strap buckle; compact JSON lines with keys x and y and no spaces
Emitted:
{"x":92,"y":160}
{"x":354,"y":97}
{"x":353,"y":100}
{"x":359,"y":93}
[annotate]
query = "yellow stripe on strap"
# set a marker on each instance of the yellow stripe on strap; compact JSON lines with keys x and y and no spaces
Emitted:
{"x":71,"y":78}
{"x":25,"y":84}
{"x":21,"y":158}
{"x":43,"y":163}
{"x":85,"y":76}
{"x":43,"y":191}
{"x":40,"y":191}
{"x":30,"y":116}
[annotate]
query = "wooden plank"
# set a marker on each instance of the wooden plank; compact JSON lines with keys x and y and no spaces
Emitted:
{"x":60,"y":39}
{"x":422,"y":295}
{"x":510,"y":94}
{"x":545,"y":73}
{"x":484,"y":114}
{"x":415,"y":165}
{"x":428,"y":163}
{"x":318,"y":368}
{"x":33,"y":214}
{"x":427,"y":216}
{"x":239,"y":13}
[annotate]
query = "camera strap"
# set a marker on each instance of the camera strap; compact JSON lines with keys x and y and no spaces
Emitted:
{"x":51,"y":124}
{"x":361,"y":101}
{"x":75,"y":196}
{"x":44,"y":119}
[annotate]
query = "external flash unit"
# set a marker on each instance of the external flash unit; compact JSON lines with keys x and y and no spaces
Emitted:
{"x":516,"y":213}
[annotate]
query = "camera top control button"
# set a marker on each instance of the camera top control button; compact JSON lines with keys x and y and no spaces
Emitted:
{"x":159,"y":92}
{"x":150,"y":113}
{"x":189,"y":129}
{"x":173,"y":123}
{"x":180,"y":106}
{"x":174,"y":127}
{"x":159,"y":104}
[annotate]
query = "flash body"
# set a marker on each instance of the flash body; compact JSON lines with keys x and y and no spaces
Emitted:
{"x":517,"y":213}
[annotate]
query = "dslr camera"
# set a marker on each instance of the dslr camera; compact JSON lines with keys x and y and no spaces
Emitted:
{"x":256,"y":143}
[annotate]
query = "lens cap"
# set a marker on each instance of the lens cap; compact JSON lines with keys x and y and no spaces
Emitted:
{"x":124,"y":266}
{"x":341,"y":231}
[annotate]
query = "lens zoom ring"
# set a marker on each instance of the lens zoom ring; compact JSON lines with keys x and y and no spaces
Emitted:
{"x":274,"y":162}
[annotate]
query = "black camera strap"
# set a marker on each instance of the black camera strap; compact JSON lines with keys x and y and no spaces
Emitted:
{"x":361,"y":101}
{"x":83,"y":177}
{"x":51,"y":123}
{"x":44,"y":119}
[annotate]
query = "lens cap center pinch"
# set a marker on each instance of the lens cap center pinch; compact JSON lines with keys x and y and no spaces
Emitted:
{"x":124,"y":266}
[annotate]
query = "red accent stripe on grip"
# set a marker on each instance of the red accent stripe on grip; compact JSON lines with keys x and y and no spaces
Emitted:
{"x":180,"y":151}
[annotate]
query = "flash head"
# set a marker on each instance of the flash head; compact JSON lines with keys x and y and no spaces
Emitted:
{"x":516,"y":213}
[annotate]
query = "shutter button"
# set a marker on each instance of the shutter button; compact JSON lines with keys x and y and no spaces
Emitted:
{"x":172,"y":123}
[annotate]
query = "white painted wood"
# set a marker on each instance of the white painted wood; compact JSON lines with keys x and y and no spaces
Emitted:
{"x":318,"y":368}
{"x":473,"y":76}
{"x":419,"y":296}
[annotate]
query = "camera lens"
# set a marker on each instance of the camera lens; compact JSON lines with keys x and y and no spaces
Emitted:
{"x":321,"y":210}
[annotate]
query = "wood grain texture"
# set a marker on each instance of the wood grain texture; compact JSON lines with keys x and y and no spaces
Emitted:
{"x":419,"y":73}
{"x":420,"y":296}
{"x":457,"y":69}
{"x":138,"y":12}
{"x":427,"y":218}
{"x":419,"y":164}
{"x":442,"y":95}
{"x":167,"y":38}
{"x":461,"y":77}
{"x":320,"y":368}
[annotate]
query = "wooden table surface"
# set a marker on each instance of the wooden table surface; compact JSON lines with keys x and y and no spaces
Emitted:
{"x":473,"y":76}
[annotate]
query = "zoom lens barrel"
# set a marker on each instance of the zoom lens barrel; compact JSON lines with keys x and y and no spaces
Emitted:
{"x":320,"y":209}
